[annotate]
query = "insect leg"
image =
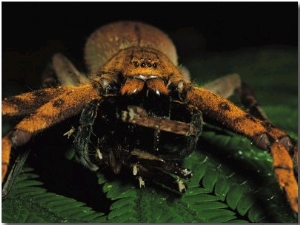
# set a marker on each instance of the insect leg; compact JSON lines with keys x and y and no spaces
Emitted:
{"x":82,"y":137}
{"x":163,"y":173}
{"x":137,"y":115}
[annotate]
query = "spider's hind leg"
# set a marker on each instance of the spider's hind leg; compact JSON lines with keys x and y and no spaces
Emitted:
{"x":61,"y":71}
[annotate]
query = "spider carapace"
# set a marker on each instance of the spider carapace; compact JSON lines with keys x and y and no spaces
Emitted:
{"x":139,"y":111}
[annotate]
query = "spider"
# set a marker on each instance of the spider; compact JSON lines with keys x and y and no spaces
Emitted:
{"x":139,"y":111}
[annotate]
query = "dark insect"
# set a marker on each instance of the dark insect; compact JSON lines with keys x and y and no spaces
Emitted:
{"x":140,"y":112}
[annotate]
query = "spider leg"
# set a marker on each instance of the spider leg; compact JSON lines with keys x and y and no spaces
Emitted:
{"x":69,"y":103}
{"x":27,"y":103}
{"x":263,"y":134}
{"x":62,"y":72}
{"x":226,"y":86}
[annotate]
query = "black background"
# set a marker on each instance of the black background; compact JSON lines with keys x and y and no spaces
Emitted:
{"x":225,"y":25}
{"x":34,"y":31}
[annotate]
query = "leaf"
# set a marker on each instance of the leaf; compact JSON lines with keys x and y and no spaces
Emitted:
{"x":200,"y":198}
{"x":122,"y":202}
{"x":210,"y":179}
{"x":221,"y":188}
{"x":234,"y":196}
{"x":255,"y":214}
{"x":120,"y":211}
{"x":245,"y":205}
{"x":32,"y":203}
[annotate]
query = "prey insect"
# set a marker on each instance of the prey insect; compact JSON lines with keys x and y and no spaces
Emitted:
{"x":133,"y":101}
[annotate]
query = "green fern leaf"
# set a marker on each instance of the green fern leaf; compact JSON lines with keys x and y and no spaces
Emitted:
{"x":221,"y":188}
{"x":244,"y":205}
{"x":234,"y":196}
{"x":203,"y":197}
{"x":120,"y":191}
{"x":124,"y":212}
{"x":255,"y":214}
{"x":210,"y":179}
{"x":29,"y":202}
{"x":127,"y":202}
{"x":194,"y":192}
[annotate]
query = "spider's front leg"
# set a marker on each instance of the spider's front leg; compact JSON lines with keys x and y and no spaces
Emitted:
{"x":70,"y":102}
{"x":262,"y":133}
{"x":232,"y":83}
{"x":24,"y":104}
{"x":228,"y":85}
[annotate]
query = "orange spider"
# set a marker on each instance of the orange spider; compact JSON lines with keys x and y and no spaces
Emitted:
{"x":136,"y":90}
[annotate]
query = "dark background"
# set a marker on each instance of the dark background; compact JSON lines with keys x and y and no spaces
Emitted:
{"x":33,"y":31}
{"x":225,"y":25}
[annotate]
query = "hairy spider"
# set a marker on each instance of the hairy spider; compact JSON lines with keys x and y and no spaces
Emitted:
{"x":139,"y":111}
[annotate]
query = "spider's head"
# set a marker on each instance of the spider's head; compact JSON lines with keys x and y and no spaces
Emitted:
{"x":135,"y":70}
{"x":143,"y":69}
